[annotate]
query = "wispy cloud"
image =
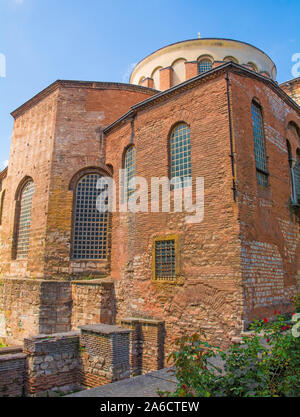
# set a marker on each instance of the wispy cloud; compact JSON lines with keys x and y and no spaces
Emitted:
{"x":18,"y":1}
{"x":3,"y":165}
{"x":127,"y":72}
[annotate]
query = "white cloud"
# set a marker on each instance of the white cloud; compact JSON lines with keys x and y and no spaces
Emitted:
{"x":3,"y":165}
{"x":128,"y":71}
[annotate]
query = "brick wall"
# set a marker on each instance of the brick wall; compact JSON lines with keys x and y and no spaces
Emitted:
{"x":292,"y":88}
{"x":12,"y":374}
{"x":52,"y":362}
{"x":93,"y":302}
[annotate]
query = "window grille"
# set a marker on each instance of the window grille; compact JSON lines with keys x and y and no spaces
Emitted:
{"x":180,"y":154}
{"x":129,"y":165}
{"x":165,"y":262}
{"x":24,"y":221}
{"x":259,"y":145}
{"x":90,"y":228}
{"x":204,"y":65}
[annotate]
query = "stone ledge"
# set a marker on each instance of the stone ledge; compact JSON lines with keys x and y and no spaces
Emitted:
{"x":97,"y":281}
{"x":11,"y":350}
{"x":40,"y":338}
{"x":104,"y":329}
{"x":149,"y":322}
{"x":12,"y":357}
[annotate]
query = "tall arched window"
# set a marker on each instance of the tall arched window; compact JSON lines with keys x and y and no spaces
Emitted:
{"x":297,"y":177}
{"x":259,"y":145}
{"x":90,"y":225}
{"x":290,"y":159}
{"x":180,"y":154}
{"x":204,"y":65}
{"x":23,"y":217}
{"x":129,"y":166}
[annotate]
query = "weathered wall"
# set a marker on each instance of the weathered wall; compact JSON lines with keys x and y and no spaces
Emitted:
{"x":32,"y":306}
{"x":292,"y":88}
{"x":211,"y":294}
{"x":81,"y":112}
{"x":12,"y":374}
{"x":30,"y":156}
{"x":270,"y":232}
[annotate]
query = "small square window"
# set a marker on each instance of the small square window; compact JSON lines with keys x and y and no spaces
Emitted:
{"x":165,"y":259}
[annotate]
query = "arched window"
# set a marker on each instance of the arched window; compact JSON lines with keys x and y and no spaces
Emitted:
{"x":180,"y":154}
{"x":129,"y":166}
{"x":297,"y":177}
{"x":90,"y":225}
{"x":23,"y":217}
{"x":2,"y":205}
{"x":259,"y":145}
{"x":290,"y":160}
{"x":204,"y":65}
{"x":230,"y":59}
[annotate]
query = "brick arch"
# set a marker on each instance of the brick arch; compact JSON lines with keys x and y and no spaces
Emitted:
{"x":101,"y":170}
{"x":21,"y":186}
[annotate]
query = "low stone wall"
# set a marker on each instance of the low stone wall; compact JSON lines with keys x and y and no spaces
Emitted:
{"x":93,"y":302}
{"x":104,"y":354}
{"x":147,"y":344}
{"x":12,"y":374}
{"x":52,"y":362}
{"x":33,"y":306}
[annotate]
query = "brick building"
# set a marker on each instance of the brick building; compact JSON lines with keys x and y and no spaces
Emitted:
{"x":206,"y":108}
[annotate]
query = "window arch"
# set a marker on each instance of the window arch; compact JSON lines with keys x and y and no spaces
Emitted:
{"x":204,"y":64}
{"x":23,"y":220}
{"x":230,"y":58}
{"x":180,"y":153}
{"x":259,"y":145}
{"x":90,"y":225}
{"x":290,"y":160}
{"x":129,"y":166}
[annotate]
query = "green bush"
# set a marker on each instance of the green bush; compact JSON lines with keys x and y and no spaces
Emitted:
{"x":265,"y":364}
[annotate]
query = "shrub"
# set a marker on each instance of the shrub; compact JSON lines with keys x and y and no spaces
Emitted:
{"x":265,"y":364}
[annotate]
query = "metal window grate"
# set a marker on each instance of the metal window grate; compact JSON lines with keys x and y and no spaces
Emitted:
{"x":180,"y":148}
{"x":90,"y":225}
{"x":204,"y":65}
{"x":259,"y":145}
{"x":297,"y":180}
{"x":165,"y":259}
{"x":24,"y":221}
{"x":130,"y":170}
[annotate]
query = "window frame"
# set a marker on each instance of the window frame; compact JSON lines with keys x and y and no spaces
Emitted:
{"x":177,"y":279}
{"x":73,"y":187}
{"x":258,"y":169}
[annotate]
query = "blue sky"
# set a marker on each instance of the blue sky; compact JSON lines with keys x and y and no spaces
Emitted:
{"x":45,"y":40}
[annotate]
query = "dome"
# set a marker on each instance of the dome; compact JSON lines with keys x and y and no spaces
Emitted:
{"x":183,"y":60}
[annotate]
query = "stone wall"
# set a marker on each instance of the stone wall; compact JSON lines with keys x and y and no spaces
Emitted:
{"x":12,"y":374}
{"x":93,"y":302}
{"x":104,"y":354}
{"x":147,"y":342}
{"x":30,"y":307}
{"x":52,"y":362}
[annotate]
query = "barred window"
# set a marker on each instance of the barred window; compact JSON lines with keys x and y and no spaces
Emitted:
{"x":204,"y":65}
{"x":90,"y":228}
{"x":297,"y":178}
{"x":165,"y":261}
{"x":180,"y":154}
{"x":24,"y":221}
{"x":129,"y":166}
{"x":259,"y":145}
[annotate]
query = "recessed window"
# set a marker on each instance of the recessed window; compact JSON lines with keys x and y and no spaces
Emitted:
{"x":204,"y":65}
{"x":180,"y":155}
{"x":259,"y":145}
{"x":90,"y":228}
{"x":2,"y":205}
{"x":129,"y":166}
{"x":24,"y":221}
{"x":165,"y":262}
{"x":296,"y":171}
